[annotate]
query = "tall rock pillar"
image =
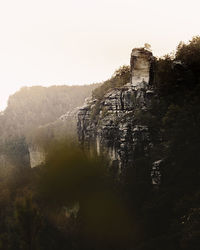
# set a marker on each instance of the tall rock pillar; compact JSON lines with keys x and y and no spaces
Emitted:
{"x":141,"y":66}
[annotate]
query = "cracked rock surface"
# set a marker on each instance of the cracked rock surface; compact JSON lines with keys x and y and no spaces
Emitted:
{"x":115,"y":130}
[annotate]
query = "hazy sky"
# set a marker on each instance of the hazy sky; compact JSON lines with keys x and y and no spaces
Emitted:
{"x":53,"y":42}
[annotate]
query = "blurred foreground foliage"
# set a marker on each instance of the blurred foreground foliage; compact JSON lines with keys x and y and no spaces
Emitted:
{"x":70,"y":202}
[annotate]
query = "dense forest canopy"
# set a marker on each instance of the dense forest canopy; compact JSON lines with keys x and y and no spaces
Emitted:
{"x":74,"y":201}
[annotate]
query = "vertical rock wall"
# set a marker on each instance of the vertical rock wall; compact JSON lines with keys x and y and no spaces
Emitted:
{"x":115,"y":130}
{"x":141,"y":64}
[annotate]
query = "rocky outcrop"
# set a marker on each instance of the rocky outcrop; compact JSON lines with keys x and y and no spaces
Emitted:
{"x":112,"y":125}
{"x":37,"y":155}
{"x":141,"y":67}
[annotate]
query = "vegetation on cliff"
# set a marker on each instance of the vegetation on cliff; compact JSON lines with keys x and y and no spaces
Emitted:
{"x":172,"y":213}
{"x":120,"y":77}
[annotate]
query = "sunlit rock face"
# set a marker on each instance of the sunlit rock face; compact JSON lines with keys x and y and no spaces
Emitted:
{"x":116,"y":128}
{"x":37,"y":156}
{"x":141,"y":64}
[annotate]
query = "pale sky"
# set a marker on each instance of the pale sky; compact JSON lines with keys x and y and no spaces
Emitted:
{"x":55,"y":42}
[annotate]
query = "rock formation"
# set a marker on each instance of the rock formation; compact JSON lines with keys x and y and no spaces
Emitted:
{"x":37,"y":155}
{"x":115,"y":128}
{"x":112,"y":125}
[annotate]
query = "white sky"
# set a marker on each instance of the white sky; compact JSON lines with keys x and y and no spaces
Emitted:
{"x":53,"y":42}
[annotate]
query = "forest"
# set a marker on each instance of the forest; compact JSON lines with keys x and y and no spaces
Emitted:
{"x":74,"y":200}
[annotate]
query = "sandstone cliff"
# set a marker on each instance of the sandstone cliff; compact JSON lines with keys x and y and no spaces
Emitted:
{"x":111,"y":125}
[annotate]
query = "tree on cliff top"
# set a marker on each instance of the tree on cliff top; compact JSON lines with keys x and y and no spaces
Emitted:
{"x":120,"y":77}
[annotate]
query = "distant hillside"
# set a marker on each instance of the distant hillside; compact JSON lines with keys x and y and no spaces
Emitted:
{"x":31,"y":107}
{"x":35,"y":106}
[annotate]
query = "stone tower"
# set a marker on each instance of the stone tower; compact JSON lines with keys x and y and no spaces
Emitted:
{"x":141,"y":66}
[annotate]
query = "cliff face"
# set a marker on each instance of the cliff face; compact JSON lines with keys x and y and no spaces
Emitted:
{"x":112,"y":125}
